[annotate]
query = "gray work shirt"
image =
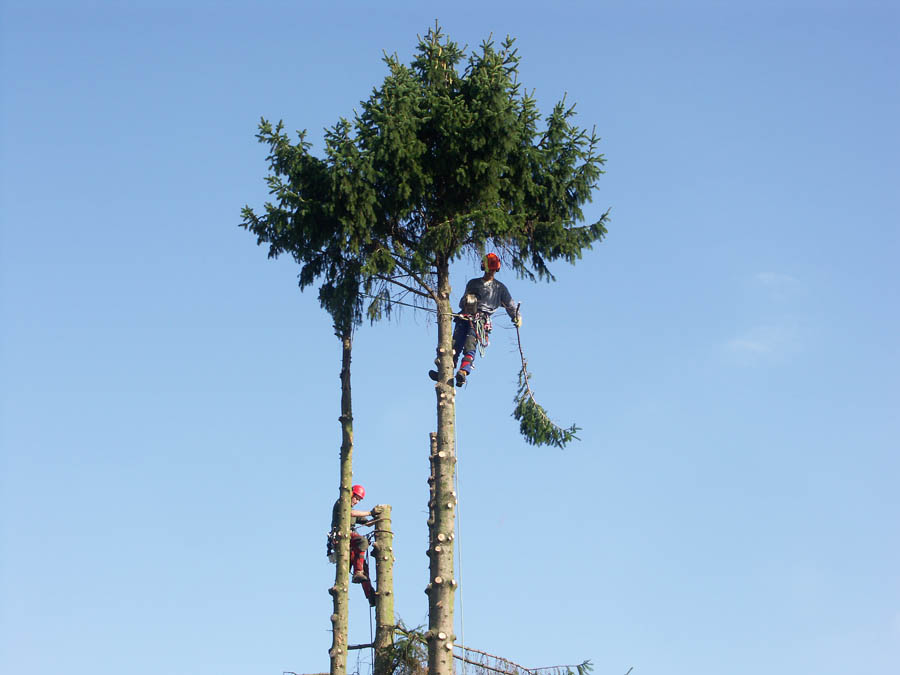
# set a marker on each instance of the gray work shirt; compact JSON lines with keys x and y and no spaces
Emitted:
{"x":491,"y":295}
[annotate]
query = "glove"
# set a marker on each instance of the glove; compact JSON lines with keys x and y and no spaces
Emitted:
{"x":517,"y":321}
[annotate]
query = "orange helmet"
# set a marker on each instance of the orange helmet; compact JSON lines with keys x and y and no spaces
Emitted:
{"x":359,"y":491}
{"x":493,"y":262}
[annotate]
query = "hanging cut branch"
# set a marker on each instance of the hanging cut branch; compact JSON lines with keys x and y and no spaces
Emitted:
{"x":534,"y":423}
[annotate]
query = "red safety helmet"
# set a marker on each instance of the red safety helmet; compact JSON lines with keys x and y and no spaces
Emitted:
{"x":359,"y":491}
{"x":493,"y":262}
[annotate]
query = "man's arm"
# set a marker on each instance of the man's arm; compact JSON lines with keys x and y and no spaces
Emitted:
{"x":509,"y":304}
{"x":361,"y":517}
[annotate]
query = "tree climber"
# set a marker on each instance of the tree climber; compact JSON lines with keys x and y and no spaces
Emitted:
{"x":482,"y":297}
{"x":358,"y":543}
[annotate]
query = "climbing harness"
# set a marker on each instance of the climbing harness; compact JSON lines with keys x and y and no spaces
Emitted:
{"x":330,"y":547}
{"x":481,"y":324}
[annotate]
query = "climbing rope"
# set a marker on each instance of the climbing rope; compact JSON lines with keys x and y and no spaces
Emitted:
{"x":371,"y":639}
{"x":406,"y":304}
{"x":462,"y":629}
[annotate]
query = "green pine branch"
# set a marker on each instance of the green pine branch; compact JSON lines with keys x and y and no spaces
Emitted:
{"x":534,"y":422}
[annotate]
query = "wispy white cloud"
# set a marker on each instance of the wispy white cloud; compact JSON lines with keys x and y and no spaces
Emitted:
{"x":778,"y":286}
{"x":765,"y":340}
{"x":747,"y":345}
{"x":773,"y":331}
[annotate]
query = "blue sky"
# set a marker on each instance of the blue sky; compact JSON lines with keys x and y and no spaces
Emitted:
{"x":169,"y":430}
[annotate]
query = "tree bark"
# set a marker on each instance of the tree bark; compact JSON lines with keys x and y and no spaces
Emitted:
{"x":442,"y":505}
{"x":383,"y":550}
{"x":339,"y":592}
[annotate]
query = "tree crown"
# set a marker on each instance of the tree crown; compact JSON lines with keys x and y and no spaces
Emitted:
{"x":441,"y":160}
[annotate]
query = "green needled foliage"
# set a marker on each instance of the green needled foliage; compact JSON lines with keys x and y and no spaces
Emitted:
{"x":447,"y":158}
{"x":408,"y":654}
{"x":302,"y":222}
{"x":534,"y":423}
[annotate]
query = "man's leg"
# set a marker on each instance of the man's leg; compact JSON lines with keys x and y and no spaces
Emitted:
{"x":367,"y":587}
{"x":358,"y":546}
{"x":460,"y":334}
{"x":468,"y":345}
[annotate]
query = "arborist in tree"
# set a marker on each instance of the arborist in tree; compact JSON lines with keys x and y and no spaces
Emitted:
{"x":482,"y":297}
{"x":358,"y":543}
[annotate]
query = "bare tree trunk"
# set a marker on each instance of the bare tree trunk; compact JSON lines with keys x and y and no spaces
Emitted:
{"x":442,"y":505}
{"x":339,"y":617}
{"x":383,"y":550}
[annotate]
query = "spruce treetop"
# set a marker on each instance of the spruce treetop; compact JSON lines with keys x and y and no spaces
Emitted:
{"x":447,"y":157}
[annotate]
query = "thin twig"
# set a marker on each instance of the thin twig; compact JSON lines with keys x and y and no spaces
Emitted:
{"x":567,"y":667}
{"x":406,"y":304}
{"x":409,"y":271}
{"x":484,"y":665}
{"x":391,"y":280}
{"x":493,"y":656}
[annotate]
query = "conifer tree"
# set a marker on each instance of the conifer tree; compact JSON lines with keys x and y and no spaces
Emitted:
{"x":447,"y":158}
{"x":299,"y":223}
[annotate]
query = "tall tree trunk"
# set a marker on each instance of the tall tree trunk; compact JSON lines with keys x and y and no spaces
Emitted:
{"x":442,"y":505}
{"x":339,"y":617}
{"x":383,"y":550}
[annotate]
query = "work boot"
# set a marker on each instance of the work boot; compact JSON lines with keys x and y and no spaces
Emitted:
{"x":360,"y":578}
{"x":461,"y":378}
{"x":434,"y":375}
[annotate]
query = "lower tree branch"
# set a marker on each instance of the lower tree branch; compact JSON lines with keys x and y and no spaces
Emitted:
{"x":392,"y":280}
{"x":431,"y":292}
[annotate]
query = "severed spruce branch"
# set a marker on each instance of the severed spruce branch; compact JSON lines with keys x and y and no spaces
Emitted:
{"x":582,"y":668}
{"x":534,"y":423}
{"x":408,"y":657}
